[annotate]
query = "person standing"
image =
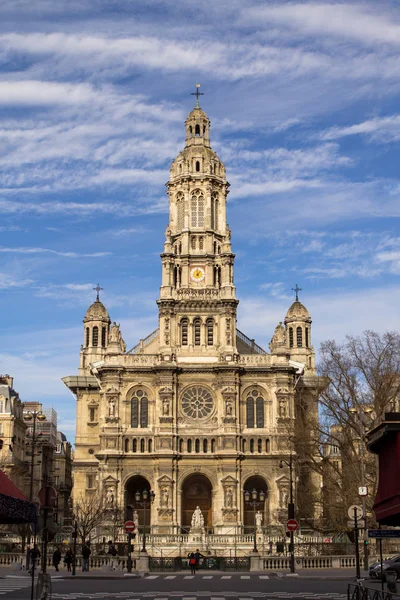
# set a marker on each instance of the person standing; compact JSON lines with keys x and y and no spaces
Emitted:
{"x":86,"y":552}
{"x":69,"y":557}
{"x":34,"y":555}
{"x":56,"y":558}
{"x":192,"y":563}
{"x":198,"y":555}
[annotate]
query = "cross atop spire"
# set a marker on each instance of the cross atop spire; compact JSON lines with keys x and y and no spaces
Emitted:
{"x":197,"y":93}
{"x":297,"y":290}
{"x":98,"y":290}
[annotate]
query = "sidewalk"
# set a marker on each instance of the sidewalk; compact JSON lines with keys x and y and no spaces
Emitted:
{"x":307,"y":574}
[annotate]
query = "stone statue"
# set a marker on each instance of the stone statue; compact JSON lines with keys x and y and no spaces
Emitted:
{"x":165,"y":407}
{"x":110,"y":496}
{"x":135,"y":519}
{"x":228,"y":409}
{"x":114,"y":333}
{"x":229,"y":498}
{"x":111,"y":408}
{"x":282,"y":408}
{"x":279,"y":337}
{"x":259,"y":519}
{"x":164,"y":497}
{"x":284,"y":498}
{"x":197,"y":519}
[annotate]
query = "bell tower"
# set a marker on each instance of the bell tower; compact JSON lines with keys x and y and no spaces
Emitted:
{"x":197,"y":305}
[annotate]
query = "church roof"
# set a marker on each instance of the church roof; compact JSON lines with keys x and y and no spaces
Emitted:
{"x":96,"y":311}
{"x":297,"y":312}
{"x":196,"y":113}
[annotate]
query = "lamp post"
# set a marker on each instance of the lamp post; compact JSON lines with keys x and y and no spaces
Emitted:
{"x":34,"y":416}
{"x":254,"y":499}
{"x":144,"y":499}
{"x":290,"y":508}
{"x":360,"y":410}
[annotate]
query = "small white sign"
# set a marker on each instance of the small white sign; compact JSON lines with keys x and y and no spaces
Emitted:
{"x":355,"y":511}
{"x":363,"y":490}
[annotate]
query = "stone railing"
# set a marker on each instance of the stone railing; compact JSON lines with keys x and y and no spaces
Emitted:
{"x":254,"y":359}
{"x":17,"y":560}
{"x":280,"y":563}
{"x":132,"y":360}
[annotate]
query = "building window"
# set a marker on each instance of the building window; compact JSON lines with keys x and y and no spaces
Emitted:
{"x":197,"y":130}
{"x":95,"y":338}
{"x":259,"y":446}
{"x":179,"y":204}
{"x":252,"y":446}
{"x":307,"y":337}
{"x":92,"y":415}
{"x":103,"y":337}
{"x":299,"y":337}
{"x":189,"y":445}
{"x":197,"y":330}
{"x":181,"y":446}
{"x":197,"y":166}
{"x":260,"y":412}
{"x":267,"y":446}
{"x":58,"y":448}
{"x":201,"y":243}
{"x":214,"y":211}
{"x":90,"y":482}
{"x":184,"y":332}
{"x":193,"y":242}
{"x":197,"y":209}
{"x":134,"y":445}
{"x":291,"y":337}
{"x":197,"y":446}
{"x":205,"y":446}
{"x":212,"y":446}
{"x":87,"y":337}
{"x":140,"y":409}
{"x":150,"y":446}
{"x":250,"y":412}
{"x":210,"y":332}
{"x":142,"y":445}
{"x":126,"y":445}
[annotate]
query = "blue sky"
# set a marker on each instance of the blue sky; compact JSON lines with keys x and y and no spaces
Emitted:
{"x":303,"y":99}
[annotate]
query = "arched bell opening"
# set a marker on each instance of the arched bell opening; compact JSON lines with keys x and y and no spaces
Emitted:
{"x":258,"y":484}
{"x":139,"y":484}
{"x":196,"y":491}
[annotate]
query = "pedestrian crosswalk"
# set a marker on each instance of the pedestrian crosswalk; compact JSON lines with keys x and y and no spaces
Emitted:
{"x":201,"y":576}
{"x":12,"y":584}
{"x":203,"y":594}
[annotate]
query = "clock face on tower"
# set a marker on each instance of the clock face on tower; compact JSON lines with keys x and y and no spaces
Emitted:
{"x":197,"y":274}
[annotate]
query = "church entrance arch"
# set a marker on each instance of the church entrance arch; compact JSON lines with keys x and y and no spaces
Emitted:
{"x":260,"y":485}
{"x":133,"y":485}
{"x":196,"y":491}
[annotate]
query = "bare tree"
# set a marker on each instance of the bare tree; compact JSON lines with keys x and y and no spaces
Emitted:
{"x":363,"y":381}
{"x":89,"y":513}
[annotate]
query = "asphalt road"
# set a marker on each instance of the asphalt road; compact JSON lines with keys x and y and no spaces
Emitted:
{"x":216,"y":586}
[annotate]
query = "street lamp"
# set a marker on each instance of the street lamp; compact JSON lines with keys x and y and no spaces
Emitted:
{"x":361,"y":410}
{"x":290,"y":508}
{"x":144,"y":499}
{"x":32,"y":415}
{"x":254,"y":499}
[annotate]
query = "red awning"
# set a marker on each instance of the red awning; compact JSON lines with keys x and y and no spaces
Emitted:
{"x":14,"y":507}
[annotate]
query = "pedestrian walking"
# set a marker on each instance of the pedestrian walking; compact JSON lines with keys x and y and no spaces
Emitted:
{"x":198,"y":555}
{"x":192,"y":563}
{"x":112,"y":551}
{"x":34,"y":556}
{"x":86,"y":552}
{"x":69,"y":557}
{"x":56,"y":558}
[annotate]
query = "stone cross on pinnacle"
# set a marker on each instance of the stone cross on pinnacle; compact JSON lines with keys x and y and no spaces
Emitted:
{"x":297,"y":290}
{"x":98,"y":290}
{"x":197,"y":93}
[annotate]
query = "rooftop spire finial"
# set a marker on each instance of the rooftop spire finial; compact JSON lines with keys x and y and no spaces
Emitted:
{"x":297,"y":290}
{"x":197,"y":93}
{"x":98,"y":290}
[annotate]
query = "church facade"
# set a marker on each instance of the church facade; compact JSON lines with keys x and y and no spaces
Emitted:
{"x":197,"y":412}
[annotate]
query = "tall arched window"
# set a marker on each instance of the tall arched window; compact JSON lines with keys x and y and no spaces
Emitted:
{"x":214,"y":210}
{"x":87,"y":336}
{"x":291,"y":337}
{"x":95,"y":336}
{"x":197,"y":446}
{"x":299,"y":337}
{"x":134,"y":445}
{"x":260,"y":412}
{"x":307,"y":337}
{"x":142,"y":447}
{"x":212,"y":446}
{"x":210,"y":332}
{"x":197,"y":209}
{"x":252,"y":446}
{"x":150,"y":446}
{"x":267,"y":446}
{"x":201,"y":243}
{"x":197,"y":166}
{"x":197,"y":130}
{"x":259,"y":446}
{"x":193,"y":242}
{"x":179,"y":206}
{"x":140,"y":409}
{"x":181,"y":446}
{"x":197,"y":332}
{"x":127,"y":445}
{"x":103,"y":336}
{"x":250,"y":412}
{"x":189,"y":445}
{"x":205,"y":446}
{"x":184,"y":332}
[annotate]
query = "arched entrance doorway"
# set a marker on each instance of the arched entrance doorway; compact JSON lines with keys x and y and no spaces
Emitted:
{"x":133,"y":485}
{"x":259,"y":484}
{"x":196,"y":491}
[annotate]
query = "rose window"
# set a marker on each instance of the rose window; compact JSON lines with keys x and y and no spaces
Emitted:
{"x":197,"y":403}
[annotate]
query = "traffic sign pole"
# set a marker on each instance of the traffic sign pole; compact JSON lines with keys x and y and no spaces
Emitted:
{"x":358,"y":573}
{"x":129,"y":528}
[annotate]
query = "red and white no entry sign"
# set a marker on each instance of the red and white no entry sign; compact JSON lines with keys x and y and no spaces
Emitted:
{"x":292,"y":525}
{"x":130,"y":526}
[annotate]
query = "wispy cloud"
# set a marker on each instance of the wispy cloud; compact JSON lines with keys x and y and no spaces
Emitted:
{"x":23,"y":250}
{"x":381,"y":129}
{"x":7,"y":281}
